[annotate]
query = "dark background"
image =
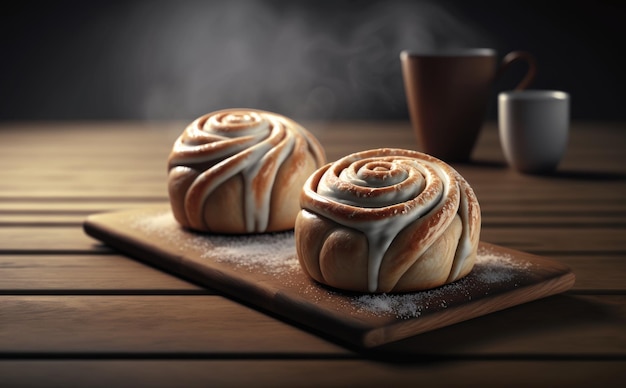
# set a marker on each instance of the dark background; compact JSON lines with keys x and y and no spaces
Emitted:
{"x":152,"y":60}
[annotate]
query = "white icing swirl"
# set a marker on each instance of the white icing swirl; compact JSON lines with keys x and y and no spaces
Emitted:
{"x":373,"y":183}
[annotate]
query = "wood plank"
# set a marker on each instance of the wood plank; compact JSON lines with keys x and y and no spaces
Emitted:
{"x":20,"y":168}
{"x":547,"y":240}
{"x":38,"y":220}
{"x":131,"y":134}
{"x":83,"y":274}
{"x":503,"y":186}
{"x":311,"y":373}
{"x":499,"y":186}
{"x":499,"y":205}
{"x":84,"y":169}
{"x":119,"y":189}
{"x":114,"y":193}
{"x":557,"y":326}
{"x":25,"y":239}
{"x":489,"y":219}
{"x":552,"y":220}
{"x":86,"y":166}
{"x":517,"y":219}
{"x":500,"y":213}
{"x":509,"y":191}
{"x":496,"y":212}
{"x":72,"y":205}
{"x":538,"y":240}
{"x":137,"y":133}
{"x":50,"y":212}
{"x":129,"y":188}
{"x":565,"y":326}
{"x":184,"y":324}
{"x":97,"y":274}
{"x":587,"y":142}
{"x":596,"y":273}
{"x":545,"y":206}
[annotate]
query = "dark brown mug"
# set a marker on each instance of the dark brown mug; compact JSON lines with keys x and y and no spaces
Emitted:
{"x":447,"y":94}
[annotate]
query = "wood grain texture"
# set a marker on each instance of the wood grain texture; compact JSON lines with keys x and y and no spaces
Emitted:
{"x":84,"y":274}
{"x":91,"y":158}
{"x":496,"y":212}
{"x":140,"y":325}
{"x":202,"y":326}
{"x":535,"y":239}
{"x":115,"y":273}
{"x":74,"y":312}
{"x":152,"y":235}
{"x":311,"y":373}
{"x":42,"y":239}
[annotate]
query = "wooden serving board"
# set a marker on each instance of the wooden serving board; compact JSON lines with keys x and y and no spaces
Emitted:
{"x":263,"y":272}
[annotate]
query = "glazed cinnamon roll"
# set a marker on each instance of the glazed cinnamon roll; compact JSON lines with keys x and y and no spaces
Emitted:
{"x":387,"y":220}
{"x":240,"y":171}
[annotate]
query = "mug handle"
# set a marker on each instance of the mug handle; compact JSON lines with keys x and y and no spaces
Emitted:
{"x":515,"y":56}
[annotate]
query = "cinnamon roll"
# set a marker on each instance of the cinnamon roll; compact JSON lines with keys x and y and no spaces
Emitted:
{"x":240,"y":171}
{"x":387,"y":220}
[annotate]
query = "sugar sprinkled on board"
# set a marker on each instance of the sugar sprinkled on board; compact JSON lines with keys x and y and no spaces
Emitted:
{"x":159,"y":224}
{"x":275,"y":254}
{"x":497,"y":268}
{"x":490,"y":268}
{"x":410,"y":305}
{"x":384,"y":304}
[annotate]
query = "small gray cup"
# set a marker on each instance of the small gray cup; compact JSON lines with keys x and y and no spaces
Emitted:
{"x":534,"y":128}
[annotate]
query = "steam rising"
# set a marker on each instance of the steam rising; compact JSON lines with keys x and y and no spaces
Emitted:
{"x":302,"y":59}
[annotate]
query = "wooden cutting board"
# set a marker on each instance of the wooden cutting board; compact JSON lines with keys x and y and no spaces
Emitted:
{"x":263,"y":272}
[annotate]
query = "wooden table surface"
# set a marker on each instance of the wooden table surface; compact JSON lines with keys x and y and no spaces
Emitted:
{"x":73,"y":312}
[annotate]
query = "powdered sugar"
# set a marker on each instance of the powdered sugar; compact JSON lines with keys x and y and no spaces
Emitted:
{"x":408,"y":305}
{"x":490,"y":269}
{"x":159,"y":225}
{"x":497,"y":268}
{"x":274,"y":254}
{"x":411,"y":305}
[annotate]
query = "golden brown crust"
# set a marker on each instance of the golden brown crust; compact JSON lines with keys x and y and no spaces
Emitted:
{"x":240,"y":171}
{"x":387,"y":220}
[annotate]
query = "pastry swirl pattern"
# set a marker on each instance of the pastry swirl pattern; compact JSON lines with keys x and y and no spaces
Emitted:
{"x":250,"y":151}
{"x":387,"y":220}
